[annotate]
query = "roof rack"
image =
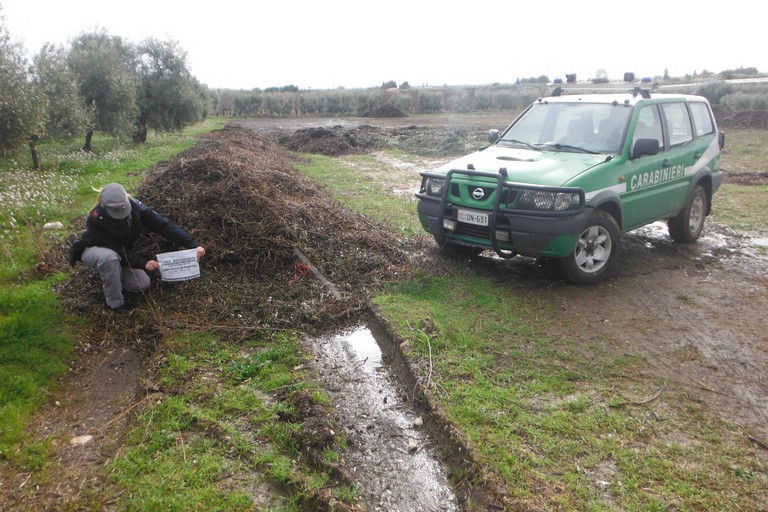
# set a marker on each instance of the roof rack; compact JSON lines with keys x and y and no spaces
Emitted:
{"x":645,"y":92}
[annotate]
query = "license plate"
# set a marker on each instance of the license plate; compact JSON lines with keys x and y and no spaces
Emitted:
{"x":470,"y":217}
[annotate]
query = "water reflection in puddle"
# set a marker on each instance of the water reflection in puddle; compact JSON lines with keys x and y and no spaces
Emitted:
{"x":362,"y":345}
{"x":394,"y":464}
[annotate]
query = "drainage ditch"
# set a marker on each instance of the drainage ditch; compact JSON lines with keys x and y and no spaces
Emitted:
{"x":393,"y":460}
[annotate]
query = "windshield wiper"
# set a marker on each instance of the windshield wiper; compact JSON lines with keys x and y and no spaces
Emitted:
{"x":526,"y":144}
{"x":567,"y":146}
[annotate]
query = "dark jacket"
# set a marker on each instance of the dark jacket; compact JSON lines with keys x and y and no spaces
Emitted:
{"x":101,"y":230}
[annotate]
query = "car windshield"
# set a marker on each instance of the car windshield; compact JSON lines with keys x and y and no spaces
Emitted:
{"x":582,"y":127}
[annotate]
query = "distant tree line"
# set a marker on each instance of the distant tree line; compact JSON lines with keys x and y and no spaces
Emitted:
{"x":289,"y":102}
{"x":98,"y":83}
{"x":361,"y":102}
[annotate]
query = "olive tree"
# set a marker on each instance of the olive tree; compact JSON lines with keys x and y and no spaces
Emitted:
{"x":65,"y":116}
{"x":20,"y":109}
{"x":106,"y":74}
{"x":169,"y":98}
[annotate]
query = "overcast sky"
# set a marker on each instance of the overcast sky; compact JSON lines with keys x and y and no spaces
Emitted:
{"x":320,"y":44}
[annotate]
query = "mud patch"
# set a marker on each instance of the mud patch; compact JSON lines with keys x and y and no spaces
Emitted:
{"x":390,"y":459}
{"x":747,"y":178}
{"x":86,"y":426}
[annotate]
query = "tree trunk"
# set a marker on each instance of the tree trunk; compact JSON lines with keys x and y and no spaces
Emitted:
{"x":88,"y":138}
{"x":33,"y":151}
{"x":140,"y":135}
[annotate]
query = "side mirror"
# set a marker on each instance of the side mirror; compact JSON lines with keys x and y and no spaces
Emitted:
{"x":493,"y":136}
{"x":645,"y":147}
{"x":721,"y":139}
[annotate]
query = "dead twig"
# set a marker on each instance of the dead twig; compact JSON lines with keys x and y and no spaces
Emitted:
{"x":762,"y":444}
{"x":642,"y":402}
{"x":126,"y":411}
{"x":698,"y":383}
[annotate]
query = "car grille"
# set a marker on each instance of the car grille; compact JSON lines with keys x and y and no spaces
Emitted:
{"x":508,"y":195}
{"x":472,"y":230}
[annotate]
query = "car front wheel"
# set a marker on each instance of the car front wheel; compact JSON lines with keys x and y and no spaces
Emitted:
{"x":596,"y":252}
{"x":687,"y":225}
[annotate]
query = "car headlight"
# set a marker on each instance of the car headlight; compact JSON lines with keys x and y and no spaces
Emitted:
{"x":547,"y":201}
{"x":434,"y":186}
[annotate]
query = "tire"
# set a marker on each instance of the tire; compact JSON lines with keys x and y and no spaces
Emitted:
{"x":597,"y":250}
{"x":686,"y":226}
{"x":457,"y":251}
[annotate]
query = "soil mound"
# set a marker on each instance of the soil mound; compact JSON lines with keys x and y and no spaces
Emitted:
{"x":385,"y":111}
{"x":319,"y":140}
{"x":261,"y":223}
{"x":753,"y":119}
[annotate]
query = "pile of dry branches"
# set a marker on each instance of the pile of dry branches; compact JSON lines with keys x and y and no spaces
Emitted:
{"x":261,"y":222}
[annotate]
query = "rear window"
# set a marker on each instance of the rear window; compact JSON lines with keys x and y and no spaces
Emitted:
{"x":679,"y":123}
{"x":702,"y":120}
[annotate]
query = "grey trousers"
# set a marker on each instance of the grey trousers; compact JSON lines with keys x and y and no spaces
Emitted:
{"x":115,"y":277}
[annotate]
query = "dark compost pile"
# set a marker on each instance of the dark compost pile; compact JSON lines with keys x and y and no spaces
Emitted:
{"x":238,"y":194}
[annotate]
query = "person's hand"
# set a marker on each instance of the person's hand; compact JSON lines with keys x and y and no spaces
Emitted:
{"x":152,"y":265}
{"x":200,"y":253}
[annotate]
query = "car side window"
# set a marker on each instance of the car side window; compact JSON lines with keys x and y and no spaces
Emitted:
{"x":679,"y":123}
{"x":649,"y":126}
{"x":702,"y":120}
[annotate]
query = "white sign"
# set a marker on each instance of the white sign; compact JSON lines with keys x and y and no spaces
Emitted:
{"x":179,"y":265}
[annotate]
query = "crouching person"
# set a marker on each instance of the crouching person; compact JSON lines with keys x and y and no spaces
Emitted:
{"x":112,"y":228}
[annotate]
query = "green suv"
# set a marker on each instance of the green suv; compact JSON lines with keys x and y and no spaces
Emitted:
{"x":572,"y":173}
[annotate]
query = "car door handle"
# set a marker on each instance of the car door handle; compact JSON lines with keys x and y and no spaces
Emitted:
{"x":697,"y":155}
{"x":666,"y":163}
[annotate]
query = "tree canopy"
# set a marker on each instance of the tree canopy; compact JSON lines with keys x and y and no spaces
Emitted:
{"x":98,"y":82}
{"x":169,"y":97}
{"x":66,"y":116}
{"x":20,"y":112}
{"x":104,"y":66}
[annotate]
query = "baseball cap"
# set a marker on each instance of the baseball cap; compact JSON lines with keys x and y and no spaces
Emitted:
{"x":115,"y":200}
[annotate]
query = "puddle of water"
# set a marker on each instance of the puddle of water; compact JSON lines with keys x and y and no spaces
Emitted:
{"x":395,"y":465}
{"x":364,"y":346}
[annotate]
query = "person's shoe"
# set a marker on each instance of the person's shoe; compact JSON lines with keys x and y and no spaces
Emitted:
{"x":122,"y":310}
{"x":76,"y":248}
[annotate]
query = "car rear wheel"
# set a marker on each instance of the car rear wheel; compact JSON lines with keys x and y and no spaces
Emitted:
{"x":596,"y":252}
{"x":687,"y":225}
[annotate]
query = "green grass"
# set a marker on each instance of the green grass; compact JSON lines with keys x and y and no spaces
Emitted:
{"x":215,"y":435}
{"x":742,"y":207}
{"x":355,"y":189}
{"x":33,"y":350}
{"x":745,"y":150}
